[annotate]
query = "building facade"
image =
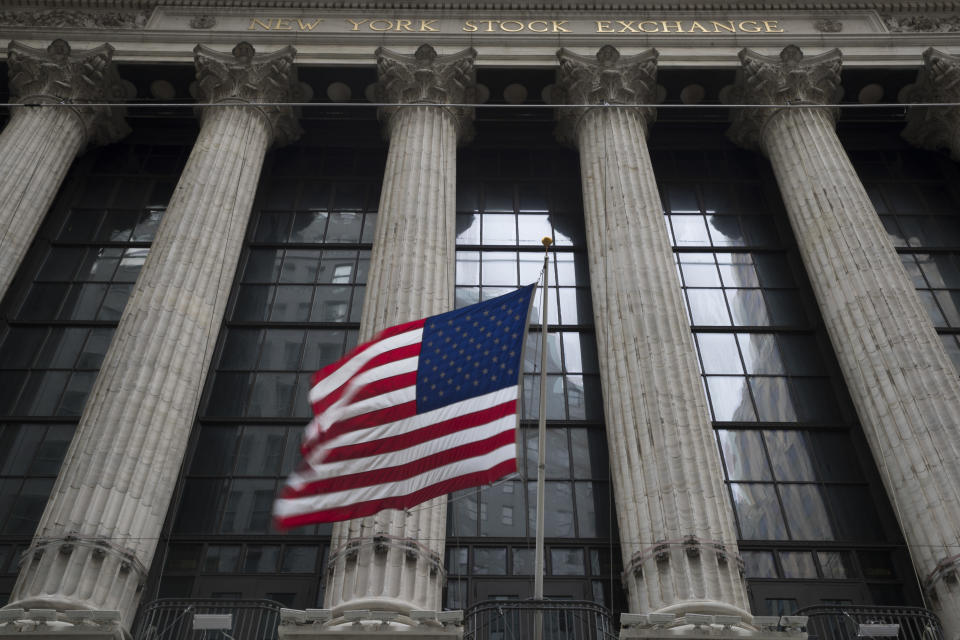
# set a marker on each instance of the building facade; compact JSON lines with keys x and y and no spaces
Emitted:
{"x":754,"y":295}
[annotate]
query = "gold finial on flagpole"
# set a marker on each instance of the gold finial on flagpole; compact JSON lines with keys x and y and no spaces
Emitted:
{"x":547,"y":241}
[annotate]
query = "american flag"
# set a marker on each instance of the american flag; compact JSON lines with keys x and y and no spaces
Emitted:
{"x":423,"y":409}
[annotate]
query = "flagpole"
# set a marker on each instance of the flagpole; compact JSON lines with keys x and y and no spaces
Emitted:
{"x":542,"y":441}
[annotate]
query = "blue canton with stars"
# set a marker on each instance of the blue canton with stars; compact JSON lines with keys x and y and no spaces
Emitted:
{"x":472,"y":351}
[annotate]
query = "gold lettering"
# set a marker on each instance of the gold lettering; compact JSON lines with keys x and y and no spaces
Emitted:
{"x":603,"y":26}
{"x":469,"y":26}
{"x":655,"y":29}
{"x":667,"y":24}
{"x":489,"y":24}
{"x":696,"y":26}
{"x":388,"y":24}
{"x":538,"y":22}
{"x":308,"y":26}
{"x":404,"y":24}
{"x":428,"y":25}
{"x":558,"y":26}
{"x":257,"y":22}
{"x":356,"y":23}
{"x":516,"y":23}
{"x":754,"y":26}
{"x":627,"y":26}
{"x":283,"y":24}
{"x":772,"y":26}
{"x":717,"y":26}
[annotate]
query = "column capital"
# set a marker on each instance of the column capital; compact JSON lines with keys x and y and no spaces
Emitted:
{"x":787,"y":79}
{"x":59,"y":75}
{"x":938,"y":81}
{"x":245,"y":76}
{"x":428,"y":78}
{"x":608,"y":78}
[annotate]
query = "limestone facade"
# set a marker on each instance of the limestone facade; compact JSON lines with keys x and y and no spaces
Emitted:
{"x":96,"y":544}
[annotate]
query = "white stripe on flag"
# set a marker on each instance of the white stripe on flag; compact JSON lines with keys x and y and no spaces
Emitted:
{"x":344,"y":407}
{"x":421,"y":420}
{"x":339,"y":377}
{"x":287,"y":507}
{"x":403,"y":456}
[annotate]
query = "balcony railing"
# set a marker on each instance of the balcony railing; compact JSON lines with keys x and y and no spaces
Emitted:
{"x":195,"y":619}
{"x":846,"y":622}
{"x":561,"y":620}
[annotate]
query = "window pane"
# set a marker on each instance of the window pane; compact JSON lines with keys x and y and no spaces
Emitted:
{"x":489,"y":561}
{"x":567,"y":562}
{"x":718,"y":352}
{"x":759,"y":564}
{"x":743,"y":455}
{"x":790,"y":456}
{"x":730,"y":399}
{"x":758,"y":512}
{"x":806,"y":512}
{"x":501,"y":511}
{"x":797,"y":564}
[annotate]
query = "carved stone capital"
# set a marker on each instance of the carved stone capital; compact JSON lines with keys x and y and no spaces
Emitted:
{"x":938,"y":81}
{"x":244,"y":76}
{"x":57,"y":75}
{"x":428,"y":78}
{"x":787,"y":79}
{"x":606,"y":79}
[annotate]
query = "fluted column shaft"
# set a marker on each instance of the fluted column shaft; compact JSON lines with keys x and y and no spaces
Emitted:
{"x":44,"y":136}
{"x":394,"y":560}
{"x":411,"y":276}
{"x":902,"y":382}
{"x":37,"y":148}
{"x":668,"y":482}
{"x":100,"y":528}
{"x":676,"y":525}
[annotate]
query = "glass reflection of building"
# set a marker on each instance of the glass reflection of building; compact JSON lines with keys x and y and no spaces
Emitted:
{"x":813,"y":520}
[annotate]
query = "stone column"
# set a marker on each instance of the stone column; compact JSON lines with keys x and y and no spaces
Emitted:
{"x":98,"y":533}
{"x":40,"y":142}
{"x":903,"y":385}
{"x":394,"y":560}
{"x":676,"y":524}
{"x":938,"y":81}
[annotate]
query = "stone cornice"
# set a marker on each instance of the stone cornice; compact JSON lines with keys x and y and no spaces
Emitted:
{"x":59,"y":75}
{"x":604,"y":79}
{"x":246,"y":76}
{"x":938,"y":81}
{"x":787,"y":79}
{"x":428,"y":78}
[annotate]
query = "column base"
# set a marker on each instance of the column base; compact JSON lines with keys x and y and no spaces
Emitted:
{"x":44,"y":624}
{"x":321,"y":624}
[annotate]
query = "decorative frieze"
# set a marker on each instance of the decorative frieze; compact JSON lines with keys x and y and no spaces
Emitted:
{"x":67,"y":19}
{"x":949,"y":23}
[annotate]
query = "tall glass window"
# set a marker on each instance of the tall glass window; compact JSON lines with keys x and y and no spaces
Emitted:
{"x":508,"y":198}
{"x":812,"y":520}
{"x":60,"y":313}
{"x":295,"y":307}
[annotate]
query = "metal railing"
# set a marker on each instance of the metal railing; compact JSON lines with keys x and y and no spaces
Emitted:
{"x":516,"y":620}
{"x":846,"y":622}
{"x":174,"y":619}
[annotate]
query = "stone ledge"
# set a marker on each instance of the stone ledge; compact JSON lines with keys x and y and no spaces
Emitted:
{"x":377,"y":625}
{"x":667,"y":626}
{"x":77,"y":624}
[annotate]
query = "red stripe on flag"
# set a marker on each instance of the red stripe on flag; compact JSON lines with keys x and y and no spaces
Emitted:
{"x":402,"y":472}
{"x":362,"y":509}
{"x":430,"y":432}
{"x":400,"y":353}
{"x":386,"y":333}
{"x":362,"y":421}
